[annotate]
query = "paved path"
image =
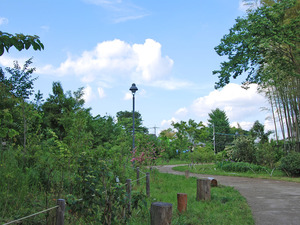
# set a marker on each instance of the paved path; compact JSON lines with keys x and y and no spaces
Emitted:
{"x":272,"y":202}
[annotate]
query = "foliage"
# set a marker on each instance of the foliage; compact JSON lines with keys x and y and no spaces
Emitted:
{"x":125,"y":120}
{"x":230,"y":166}
{"x":268,"y":154}
{"x":258,"y":132}
{"x":202,"y":155}
{"x":267,"y":36}
{"x":219,"y":129}
{"x":264,"y":45}
{"x":291,"y":164}
{"x":19,"y":41}
{"x":147,"y":150}
{"x":244,"y":149}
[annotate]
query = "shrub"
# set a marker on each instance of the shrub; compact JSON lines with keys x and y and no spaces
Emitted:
{"x":291,"y":164}
{"x":202,"y":155}
{"x":244,"y":149}
{"x":239,"y":167}
{"x":268,"y":154}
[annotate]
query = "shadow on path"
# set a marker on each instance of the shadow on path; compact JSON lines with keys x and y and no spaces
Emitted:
{"x":272,"y":202}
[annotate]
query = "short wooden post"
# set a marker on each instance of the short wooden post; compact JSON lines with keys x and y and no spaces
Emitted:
{"x":148,"y":184}
{"x":181,"y":202}
{"x":187,"y":174}
{"x":128,"y":191}
{"x":60,"y":211}
{"x":203,"y":189}
{"x":161,"y":213}
{"x":138,"y":175}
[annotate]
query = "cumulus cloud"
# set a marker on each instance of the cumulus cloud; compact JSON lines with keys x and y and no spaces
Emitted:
{"x":237,"y":102}
{"x":113,"y":60}
{"x":242,"y":107}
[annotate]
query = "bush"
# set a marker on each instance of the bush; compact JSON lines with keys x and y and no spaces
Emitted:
{"x":291,"y":164}
{"x":244,"y":149}
{"x":202,"y":155}
{"x":229,"y":166}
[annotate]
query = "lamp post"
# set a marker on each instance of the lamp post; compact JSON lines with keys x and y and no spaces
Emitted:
{"x":133,"y":89}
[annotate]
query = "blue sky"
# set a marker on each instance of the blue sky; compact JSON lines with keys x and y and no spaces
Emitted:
{"x":166,"y":47}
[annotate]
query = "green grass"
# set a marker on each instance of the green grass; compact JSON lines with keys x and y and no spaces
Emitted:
{"x":212,"y":169}
{"x":160,"y":161}
{"x":227,"y":206}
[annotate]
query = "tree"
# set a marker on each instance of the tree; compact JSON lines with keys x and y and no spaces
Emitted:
{"x":191,"y":133}
{"x":219,"y":128}
{"x":19,"y":41}
{"x":264,"y":42}
{"x":257,"y":132}
{"x":265,"y":46}
{"x":20,"y":87}
{"x":125,"y":120}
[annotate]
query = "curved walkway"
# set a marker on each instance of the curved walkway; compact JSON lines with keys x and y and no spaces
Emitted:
{"x":272,"y":202}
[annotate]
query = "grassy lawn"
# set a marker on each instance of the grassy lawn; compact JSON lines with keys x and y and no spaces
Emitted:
{"x":227,"y":206}
{"x":212,"y":169}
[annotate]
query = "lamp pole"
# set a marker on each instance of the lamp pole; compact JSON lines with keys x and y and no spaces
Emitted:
{"x":133,"y":89}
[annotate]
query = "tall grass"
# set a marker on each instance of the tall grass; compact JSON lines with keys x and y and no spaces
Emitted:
{"x":227,"y":206}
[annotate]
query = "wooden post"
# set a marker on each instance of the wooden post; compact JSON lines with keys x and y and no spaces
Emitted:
{"x":148,"y":184}
{"x":161,"y":213}
{"x":181,"y":202}
{"x":60,"y":212}
{"x":187,"y":174}
{"x":138,"y":175}
{"x":128,"y":191}
{"x":203,"y":189}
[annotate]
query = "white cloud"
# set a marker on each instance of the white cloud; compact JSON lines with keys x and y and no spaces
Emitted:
{"x":127,"y":96}
{"x":101,"y":92}
{"x":237,"y":102}
{"x":3,"y":20}
{"x":182,"y":111}
{"x":167,"y":123}
{"x":114,"y":60}
{"x":88,"y":94}
{"x":244,"y":125}
{"x":7,"y":61}
{"x":120,"y":10}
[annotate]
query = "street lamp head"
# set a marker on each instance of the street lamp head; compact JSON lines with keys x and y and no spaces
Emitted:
{"x":133,"y":88}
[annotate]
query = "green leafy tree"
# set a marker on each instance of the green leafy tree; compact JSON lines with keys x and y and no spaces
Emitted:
{"x":264,"y":46}
{"x":21,"y":83}
{"x":258,"y":132}
{"x":219,"y":128}
{"x":125,"y":121}
{"x":19,"y":41}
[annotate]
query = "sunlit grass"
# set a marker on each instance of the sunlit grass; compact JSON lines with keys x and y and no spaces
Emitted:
{"x":227,"y":206}
{"x":212,"y":169}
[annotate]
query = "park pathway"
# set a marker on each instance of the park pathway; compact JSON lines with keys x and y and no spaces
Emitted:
{"x":272,"y":202}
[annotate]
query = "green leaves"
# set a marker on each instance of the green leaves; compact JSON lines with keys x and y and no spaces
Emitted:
{"x":19,"y":41}
{"x":267,"y":39}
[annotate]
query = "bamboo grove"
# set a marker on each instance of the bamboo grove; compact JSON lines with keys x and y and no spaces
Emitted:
{"x":265,"y":46}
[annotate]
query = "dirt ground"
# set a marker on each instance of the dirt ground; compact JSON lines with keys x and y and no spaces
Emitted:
{"x":272,"y":202}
